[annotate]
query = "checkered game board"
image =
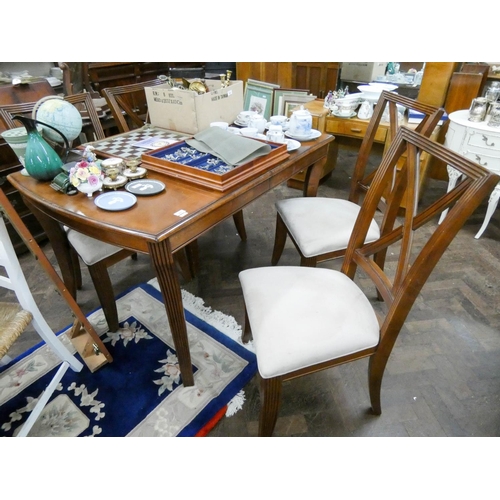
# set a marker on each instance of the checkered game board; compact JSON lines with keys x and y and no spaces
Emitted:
{"x":122,"y":146}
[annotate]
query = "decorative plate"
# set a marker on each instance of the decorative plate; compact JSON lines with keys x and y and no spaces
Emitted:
{"x":144,"y":187}
{"x":115,"y":201}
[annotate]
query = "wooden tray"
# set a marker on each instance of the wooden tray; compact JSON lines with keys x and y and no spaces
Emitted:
{"x":212,"y":180}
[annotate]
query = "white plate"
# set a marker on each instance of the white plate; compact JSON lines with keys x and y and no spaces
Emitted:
{"x":145,"y":187}
{"x":336,"y":113}
{"x":241,"y":124}
{"x":313,"y":135}
{"x":115,"y":201}
{"x":292,"y":145}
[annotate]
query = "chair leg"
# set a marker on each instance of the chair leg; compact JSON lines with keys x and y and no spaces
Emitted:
{"x":308,"y":261}
{"x":77,"y":271}
{"x":182,"y":259}
{"x":270,"y":396}
{"x":104,"y":289}
{"x":239,"y":222}
{"x":193,"y":257}
{"x":376,"y":368}
{"x":279,"y":240}
{"x":247,"y":332}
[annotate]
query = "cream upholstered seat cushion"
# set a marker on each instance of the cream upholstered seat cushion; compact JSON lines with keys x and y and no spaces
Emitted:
{"x":321,"y":225}
{"x":89,"y":249}
{"x":301,"y":316}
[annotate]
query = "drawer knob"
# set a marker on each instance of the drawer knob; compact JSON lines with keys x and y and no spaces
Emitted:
{"x":356,"y":130}
{"x":485,"y":139}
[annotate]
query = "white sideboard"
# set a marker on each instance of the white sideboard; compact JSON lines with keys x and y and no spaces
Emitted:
{"x":480,"y":143}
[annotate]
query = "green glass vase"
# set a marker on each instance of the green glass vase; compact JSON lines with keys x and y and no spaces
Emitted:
{"x":40,"y":160}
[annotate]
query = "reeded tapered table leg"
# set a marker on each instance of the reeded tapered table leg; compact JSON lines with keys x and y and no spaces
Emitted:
{"x":163,"y":262}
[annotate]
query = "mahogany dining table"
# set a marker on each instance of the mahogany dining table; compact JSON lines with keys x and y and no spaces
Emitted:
{"x":166,"y":222}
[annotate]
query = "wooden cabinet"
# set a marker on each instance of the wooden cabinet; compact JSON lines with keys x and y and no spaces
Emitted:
{"x":318,"y":77}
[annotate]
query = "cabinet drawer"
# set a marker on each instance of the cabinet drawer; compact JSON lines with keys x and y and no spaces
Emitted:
{"x":482,"y":141}
{"x":491,"y":162}
{"x":352,"y":128}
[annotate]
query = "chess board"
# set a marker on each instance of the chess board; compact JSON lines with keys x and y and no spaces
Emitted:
{"x":123,"y":145}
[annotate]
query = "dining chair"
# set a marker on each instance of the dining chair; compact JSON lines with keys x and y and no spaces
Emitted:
{"x":303,"y":320}
{"x":70,"y":246}
{"x":320,"y":227}
{"x":82,"y":101}
{"x":17,"y":316}
{"x":128,"y":104}
{"x":131,"y":113}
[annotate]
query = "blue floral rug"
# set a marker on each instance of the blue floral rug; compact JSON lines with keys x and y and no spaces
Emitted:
{"x":140,"y":393}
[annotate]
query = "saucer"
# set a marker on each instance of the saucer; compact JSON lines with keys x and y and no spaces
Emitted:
{"x":313,"y":135}
{"x":145,"y":187}
{"x":350,"y":115}
{"x":292,"y":145}
{"x":242,"y":124}
{"x":114,"y":202}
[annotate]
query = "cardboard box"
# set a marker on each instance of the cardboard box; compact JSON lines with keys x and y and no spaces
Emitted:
{"x":362,"y":71}
{"x":187,"y":112}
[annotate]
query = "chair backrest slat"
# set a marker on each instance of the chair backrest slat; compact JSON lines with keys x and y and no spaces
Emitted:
{"x":399,"y":283}
{"x":431,"y":115}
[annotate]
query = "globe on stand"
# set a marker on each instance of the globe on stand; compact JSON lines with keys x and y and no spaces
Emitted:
{"x":60,"y":114}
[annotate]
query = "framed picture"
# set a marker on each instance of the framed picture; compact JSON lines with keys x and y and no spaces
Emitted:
{"x":263,"y":84}
{"x":277,"y":98}
{"x":259,"y":98}
{"x":292,"y":101}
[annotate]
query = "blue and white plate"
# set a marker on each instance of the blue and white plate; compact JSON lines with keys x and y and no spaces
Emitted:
{"x":145,"y":187}
{"x":116,"y":201}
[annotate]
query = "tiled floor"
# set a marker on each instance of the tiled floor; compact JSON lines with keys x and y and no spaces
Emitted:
{"x":443,"y":378}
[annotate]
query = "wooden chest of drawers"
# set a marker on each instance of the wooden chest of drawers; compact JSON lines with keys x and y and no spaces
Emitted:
{"x":354,"y":127}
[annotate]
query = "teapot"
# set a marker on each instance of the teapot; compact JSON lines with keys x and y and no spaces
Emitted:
{"x":41,"y":161}
{"x":300,"y":123}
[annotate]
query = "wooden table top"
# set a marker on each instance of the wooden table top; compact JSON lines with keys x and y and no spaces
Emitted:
{"x":153,"y":218}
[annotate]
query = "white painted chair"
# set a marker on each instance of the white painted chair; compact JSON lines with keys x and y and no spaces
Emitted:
{"x":16,"y":317}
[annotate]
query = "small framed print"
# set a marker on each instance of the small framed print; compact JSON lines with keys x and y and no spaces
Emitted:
{"x":278,"y":98}
{"x":290,"y":102}
{"x":259,"y":98}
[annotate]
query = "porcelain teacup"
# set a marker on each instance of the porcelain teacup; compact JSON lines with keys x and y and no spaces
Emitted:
{"x":275,"y":133}
{"x":222,"y":125}
{"x":249,"y":131}
{"x":278,"y":120}
{"x":244,"y":117}
{"x":259,"y":122}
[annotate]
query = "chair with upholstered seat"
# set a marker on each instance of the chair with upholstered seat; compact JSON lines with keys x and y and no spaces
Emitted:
{"x":16,"y":317}
{"x":320,"y":227}
{"x":305,"y":319}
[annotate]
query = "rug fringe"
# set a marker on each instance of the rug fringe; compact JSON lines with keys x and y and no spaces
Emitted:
{"x":223,"y":322}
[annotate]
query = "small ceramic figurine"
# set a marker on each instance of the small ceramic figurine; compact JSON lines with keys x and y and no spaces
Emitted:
{"x":89,"y":155}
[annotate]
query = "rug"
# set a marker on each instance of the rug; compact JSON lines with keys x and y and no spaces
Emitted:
{"x":139,"y":394}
